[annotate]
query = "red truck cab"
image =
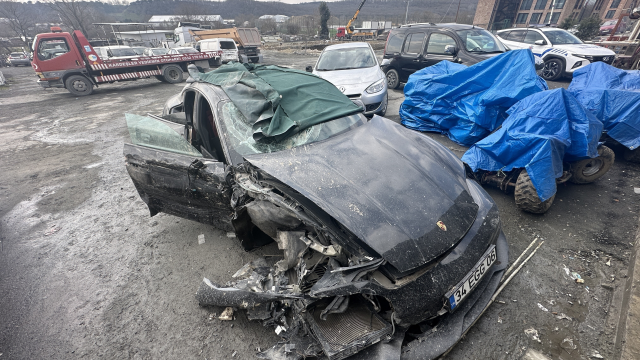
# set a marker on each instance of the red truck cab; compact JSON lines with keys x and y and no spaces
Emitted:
{"x":341,"y":34}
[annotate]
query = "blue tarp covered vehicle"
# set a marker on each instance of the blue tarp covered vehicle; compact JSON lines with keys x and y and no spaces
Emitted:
{"x":468,"y":103}
{"x":551,"y":136}
{"x":613,"y":96}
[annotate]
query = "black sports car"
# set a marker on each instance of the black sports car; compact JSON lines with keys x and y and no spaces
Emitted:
{"x":384,"y":237}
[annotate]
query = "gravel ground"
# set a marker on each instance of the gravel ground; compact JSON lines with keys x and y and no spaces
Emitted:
{"x":85,"y":273}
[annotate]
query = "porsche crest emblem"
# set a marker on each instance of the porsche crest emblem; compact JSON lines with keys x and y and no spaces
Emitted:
{"x":442,"y":226}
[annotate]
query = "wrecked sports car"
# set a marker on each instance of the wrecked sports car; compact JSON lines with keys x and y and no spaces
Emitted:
{"x":389,"y":250}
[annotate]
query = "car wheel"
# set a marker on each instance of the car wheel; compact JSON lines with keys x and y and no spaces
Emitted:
{"x":79,"y":85}
{"x":393,"y":79}
{"x":632,"y":155}
{"x":172,"y":74}
{"x":553,"y":69}
{"x":589,"y":170}
{"x":527,"y":198}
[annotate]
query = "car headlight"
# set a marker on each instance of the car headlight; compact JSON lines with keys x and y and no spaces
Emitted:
{"x":376,"y":86}
{"x":588,"y":57}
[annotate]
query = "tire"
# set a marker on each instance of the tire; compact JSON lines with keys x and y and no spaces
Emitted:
{"x":553,"y":69}
{"x":632,"y":155}
{"x":589,"y":170}
{"x":393,"y":79}
{"x":172,"y":74}
{"x":527,"y":198}
{"x":78,"y":85}
{"x":160,"y":77}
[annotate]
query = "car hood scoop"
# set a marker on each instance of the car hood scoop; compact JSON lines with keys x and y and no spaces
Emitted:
{"x":401,"y":193}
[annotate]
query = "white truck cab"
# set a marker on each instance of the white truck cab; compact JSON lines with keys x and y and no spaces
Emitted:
{"x":227,"y":46}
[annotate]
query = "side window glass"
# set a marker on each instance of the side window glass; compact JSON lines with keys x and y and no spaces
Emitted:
{"x":156,"y":134}
{"x":394,"y":44}
{"x":532,"y":36}
{"x":504,"y":35}
{"x":437,"y":43}
{"x":51,"y":48}
{"x":413,"y":44}
{"x":516,"y":35}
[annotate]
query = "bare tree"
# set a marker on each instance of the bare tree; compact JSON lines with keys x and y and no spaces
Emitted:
{"x":21,"y":21}
{"x":74,"y":14}
{"x":268,"y":26}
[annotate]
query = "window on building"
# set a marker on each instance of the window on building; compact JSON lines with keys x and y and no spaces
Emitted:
{"x":610,"y":14}
{"x":546,"y":18}
{"x":615,"y":3}
{"x":598,"y":5}
{"x":532,"y":36}
{"x":541,"y":4}
{"x":526,"y":4}
{"x":555,"y":17}
{"x":560,"y":3}
{"x":522,"y":18}
{"x":535,"y":18}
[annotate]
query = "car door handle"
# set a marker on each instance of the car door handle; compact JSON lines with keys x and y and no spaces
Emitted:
{"x":416,"y":60}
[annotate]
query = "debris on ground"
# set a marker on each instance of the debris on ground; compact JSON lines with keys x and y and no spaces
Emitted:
{"x":568,"y":345}
{"x":212,"y":316}
{"x":227,"y":314}
{"x":580,"y":281}
{"x":534,"y":355}
{"x":608,"y":263}
{"x":532,"y":334}
{"x":542,"y":307}
{"x":636,"y":190}
{"x":562,"y":316}
{"x":596,"y":355}
{"x":200,"y":239}
{"x":231,"y":235}
{"x":52,"y":230}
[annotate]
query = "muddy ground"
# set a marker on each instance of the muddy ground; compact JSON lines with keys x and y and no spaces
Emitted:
{"x":85,"y":273}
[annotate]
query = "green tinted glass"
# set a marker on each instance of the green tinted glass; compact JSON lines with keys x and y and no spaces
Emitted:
{"x":156,"y":134}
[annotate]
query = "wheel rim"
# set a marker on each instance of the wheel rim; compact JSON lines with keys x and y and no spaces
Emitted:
{"x":173,"y":74}
{"x":79,"y":86}
{"x":391,"y":78}
{"x":550,"y":69}
{"x":592,"y":167}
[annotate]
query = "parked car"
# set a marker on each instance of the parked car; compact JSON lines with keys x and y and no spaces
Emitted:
{"x":115,"y":52}
{"x":609,"y":25}
{"x":182,"y":50}
{"x":227,"y":46}
{"x":139,"y":50}
{"x":561,"y":51}
{"x":155,"y":51}
{"x":17,"y":58}
{"x":354,"y":70}
{"x":413,"y":47}
{"x":381,"y":229}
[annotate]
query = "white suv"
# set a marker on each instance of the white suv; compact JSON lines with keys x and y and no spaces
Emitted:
{"x":561,"y":51}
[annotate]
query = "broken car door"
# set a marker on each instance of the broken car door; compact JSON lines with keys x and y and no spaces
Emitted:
{"x":172,"y":176}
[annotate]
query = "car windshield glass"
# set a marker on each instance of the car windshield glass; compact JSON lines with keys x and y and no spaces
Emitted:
{"x":186,"y":51}
{"x":122,"y":52}
{"x":561,"y":37}
{"x":344,"y":59}
{"x":139,"y":50}
{"x":159,"y":51}
{"x":239,"y":132}
{"x":480,"y":40}
{"x":156,"y":134}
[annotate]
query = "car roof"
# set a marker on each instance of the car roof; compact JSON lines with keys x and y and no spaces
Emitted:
{"x":347,"y":46}
{"x":451,"y":26}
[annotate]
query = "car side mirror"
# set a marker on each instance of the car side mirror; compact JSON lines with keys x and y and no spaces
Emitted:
{"x":309,"y":68}
{"x":451,"y":50}
{"x":540,"y":42}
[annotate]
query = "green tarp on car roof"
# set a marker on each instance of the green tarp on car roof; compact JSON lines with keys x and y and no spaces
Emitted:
{"x":280,"y":101}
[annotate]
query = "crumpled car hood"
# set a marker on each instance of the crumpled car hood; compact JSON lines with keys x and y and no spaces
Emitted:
{"x":401,"y":193}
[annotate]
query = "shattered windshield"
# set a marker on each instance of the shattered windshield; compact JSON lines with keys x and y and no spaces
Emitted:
{"x":480,"y":40}
{"x":345,"y":59}
{"x":156,"y":134}
{"x":239,"y":132}
{"x":561,"y":37}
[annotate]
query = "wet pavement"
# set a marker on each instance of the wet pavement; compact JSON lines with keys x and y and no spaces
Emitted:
{"x":86,"y":273}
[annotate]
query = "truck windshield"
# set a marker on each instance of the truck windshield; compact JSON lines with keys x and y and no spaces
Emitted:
{"x":238,"y":133}
{"x":346,"y":59}
{"x":227,"y":45}
{"x":480,"y":40}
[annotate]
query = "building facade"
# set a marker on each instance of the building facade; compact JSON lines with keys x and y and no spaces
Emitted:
{"x":501,"y":14}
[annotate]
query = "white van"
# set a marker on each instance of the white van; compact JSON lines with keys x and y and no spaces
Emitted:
{"x":227,"y":46}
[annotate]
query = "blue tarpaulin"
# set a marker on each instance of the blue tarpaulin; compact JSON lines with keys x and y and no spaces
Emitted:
{"x":613,"y":96}
{"x":541,"y":132}
{"x":468,"y":103}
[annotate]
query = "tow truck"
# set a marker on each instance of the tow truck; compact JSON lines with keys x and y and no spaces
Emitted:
{"x":67,"y":60}
{"x":348,"y":33}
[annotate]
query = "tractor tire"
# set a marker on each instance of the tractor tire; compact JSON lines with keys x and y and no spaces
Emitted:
{"x":589,"y":170}
{"x":172,"y":74}
{"x":553,"y":69}
{"x":78,"y":85}
{"x":632,"y":155}
{"x":393,"y":79}
{"x":527,"y":198}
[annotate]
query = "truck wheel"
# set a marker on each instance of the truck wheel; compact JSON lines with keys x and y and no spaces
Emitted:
{"x":553,"y":69}
{"x":78,"y":85}
{"x":632,"y":155}
{"x":393,"y":79}
{"x":160,"y":77}
{"x":589,"y":170}
{"x":527,"y":198}
{"x":172,"y":74}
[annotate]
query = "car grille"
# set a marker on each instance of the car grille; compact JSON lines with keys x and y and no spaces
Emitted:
{"x":606,"y":59}
{"x":372,"y":107}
